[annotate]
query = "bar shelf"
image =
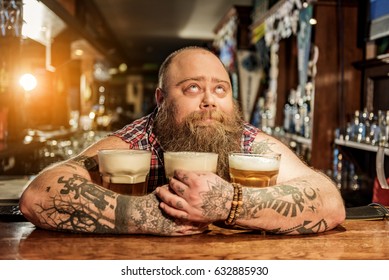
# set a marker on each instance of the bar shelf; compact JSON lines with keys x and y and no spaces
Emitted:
{"x":360,"y":146}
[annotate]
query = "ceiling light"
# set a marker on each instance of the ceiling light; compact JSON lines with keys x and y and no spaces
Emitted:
{"x":78,"y":52}
{"x":28,"y":82}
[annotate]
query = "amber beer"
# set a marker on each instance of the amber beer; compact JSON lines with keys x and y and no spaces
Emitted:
{"x":125,"y":171}
{"x":254,"y":170}
{"x":127,"y":188}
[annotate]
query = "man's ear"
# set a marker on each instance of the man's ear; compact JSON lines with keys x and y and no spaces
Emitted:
{"x":159,"y":96}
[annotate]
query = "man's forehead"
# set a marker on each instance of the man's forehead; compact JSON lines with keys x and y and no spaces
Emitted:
{"x":193,"y":55}
{"x":197,"y":65}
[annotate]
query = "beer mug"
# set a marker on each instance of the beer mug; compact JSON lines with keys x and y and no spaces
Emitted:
{"x":192,"y":161}
{"x":254,"y":170}
{"x":125,"y":171}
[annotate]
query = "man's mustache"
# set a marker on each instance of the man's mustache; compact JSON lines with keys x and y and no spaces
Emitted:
{"x":206,"y":115}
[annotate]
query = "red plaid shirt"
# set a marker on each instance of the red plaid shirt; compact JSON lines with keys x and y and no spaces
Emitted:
{"x":139,"y":135}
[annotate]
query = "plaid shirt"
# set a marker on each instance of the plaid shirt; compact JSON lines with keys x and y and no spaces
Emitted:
{"x":139,"y":135}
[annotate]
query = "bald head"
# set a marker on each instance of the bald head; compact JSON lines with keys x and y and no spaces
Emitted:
{"x":186,"y":55}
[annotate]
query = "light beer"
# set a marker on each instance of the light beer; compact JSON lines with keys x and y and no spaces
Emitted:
{"x":194,"y":161}
{"x":254,"y":170}
{"x":125,"y":171}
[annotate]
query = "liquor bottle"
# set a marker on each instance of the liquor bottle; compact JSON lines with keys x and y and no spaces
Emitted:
{"x":308,"y":107}
{"x":298,"y":113}
{"x":289,"y":113}
{"x":355,"y":127}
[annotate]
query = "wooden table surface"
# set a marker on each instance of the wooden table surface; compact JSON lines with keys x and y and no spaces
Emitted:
{"x":352,"y":240}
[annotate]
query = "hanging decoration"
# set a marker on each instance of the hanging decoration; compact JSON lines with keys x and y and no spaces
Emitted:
{"x":283,"y":23}
{"x":11,"y":18}
{"x":287,"y":20}
{"x":250,"y":75}
{"x":304,"y":45}
{"x":225,"y":41}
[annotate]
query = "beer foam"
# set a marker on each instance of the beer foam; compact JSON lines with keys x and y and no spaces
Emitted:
{"x":253,"y":163}
{"x":196,"y":161}
{"x":119,"y":162}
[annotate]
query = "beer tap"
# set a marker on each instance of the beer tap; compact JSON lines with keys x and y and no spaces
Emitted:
{"x":380,"y":167}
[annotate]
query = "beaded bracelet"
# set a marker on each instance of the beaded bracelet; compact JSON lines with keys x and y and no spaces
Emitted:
{"x":236,"y":205}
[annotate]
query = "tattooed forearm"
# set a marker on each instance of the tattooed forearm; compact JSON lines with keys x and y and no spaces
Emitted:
{"x":80,"y":206}
{"x":289,"y":209}
{"x":286,"y":200}
{"x":144,"y":216}
{"x":306,"y":228}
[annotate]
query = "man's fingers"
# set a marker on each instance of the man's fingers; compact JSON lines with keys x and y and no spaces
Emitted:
{"x":174,"y":212}
{"x":178,"y":187}
{"x":171,"y":199}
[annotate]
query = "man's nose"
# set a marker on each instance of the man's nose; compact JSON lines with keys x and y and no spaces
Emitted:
{"x":208,"y":100}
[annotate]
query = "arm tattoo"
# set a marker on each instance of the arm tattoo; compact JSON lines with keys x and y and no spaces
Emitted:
{"x":287,"y":201}
{"x":144,"y":215}
{"x":307,"y":227}
{"x":80,"y":206}
{"x":261,"y":147}
{"x":214,"y":205}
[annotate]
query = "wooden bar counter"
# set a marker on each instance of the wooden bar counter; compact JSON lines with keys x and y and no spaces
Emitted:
{"x":354,"y":239}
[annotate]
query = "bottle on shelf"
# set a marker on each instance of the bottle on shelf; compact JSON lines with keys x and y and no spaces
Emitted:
{"x":290,"y":109}
{"x":298,"y":113}
{"x":307,"y":99}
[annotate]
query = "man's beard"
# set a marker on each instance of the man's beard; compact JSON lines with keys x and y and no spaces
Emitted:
{"x":221,"y":136}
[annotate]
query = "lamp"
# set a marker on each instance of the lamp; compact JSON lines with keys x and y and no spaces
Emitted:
{"x":28,"y":82}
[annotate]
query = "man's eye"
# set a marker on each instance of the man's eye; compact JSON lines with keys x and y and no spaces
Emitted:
{"x":193,"y":89}
{"x":220,"y":90}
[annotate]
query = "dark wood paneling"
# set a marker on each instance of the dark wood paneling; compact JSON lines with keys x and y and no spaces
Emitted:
{"x":337,"y":82}
{"x":287,"y":75}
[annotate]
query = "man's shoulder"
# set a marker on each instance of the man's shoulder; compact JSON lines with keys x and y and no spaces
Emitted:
{"x":250,"y":129}
{"x":135,"y":129}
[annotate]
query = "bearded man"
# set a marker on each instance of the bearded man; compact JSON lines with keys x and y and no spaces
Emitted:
{"x":195,"y":112}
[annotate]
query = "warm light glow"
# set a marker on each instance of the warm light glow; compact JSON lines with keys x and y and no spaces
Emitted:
{"x":78,"y":52}
{"x":312,"y":21}
{"x":40,"y":23}
{"x":113,"y":71}
{"x":123,"y":67}
{"x":28,"y":82}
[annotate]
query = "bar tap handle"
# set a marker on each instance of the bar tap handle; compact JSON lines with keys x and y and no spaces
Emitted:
{"x":380,"y":160}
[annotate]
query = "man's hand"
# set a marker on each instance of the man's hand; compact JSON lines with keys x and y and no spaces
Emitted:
{"x":196,"y":196}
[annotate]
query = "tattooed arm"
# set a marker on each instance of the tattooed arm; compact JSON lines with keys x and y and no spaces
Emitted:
{"x":303,"y":201}
{"x":68,"y":197}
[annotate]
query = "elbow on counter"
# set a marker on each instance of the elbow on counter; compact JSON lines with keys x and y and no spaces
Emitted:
{"x":336,"y":211}
{"x":26,"y":205}
{"x":340,"y":217}
{"x":30,"y":202}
